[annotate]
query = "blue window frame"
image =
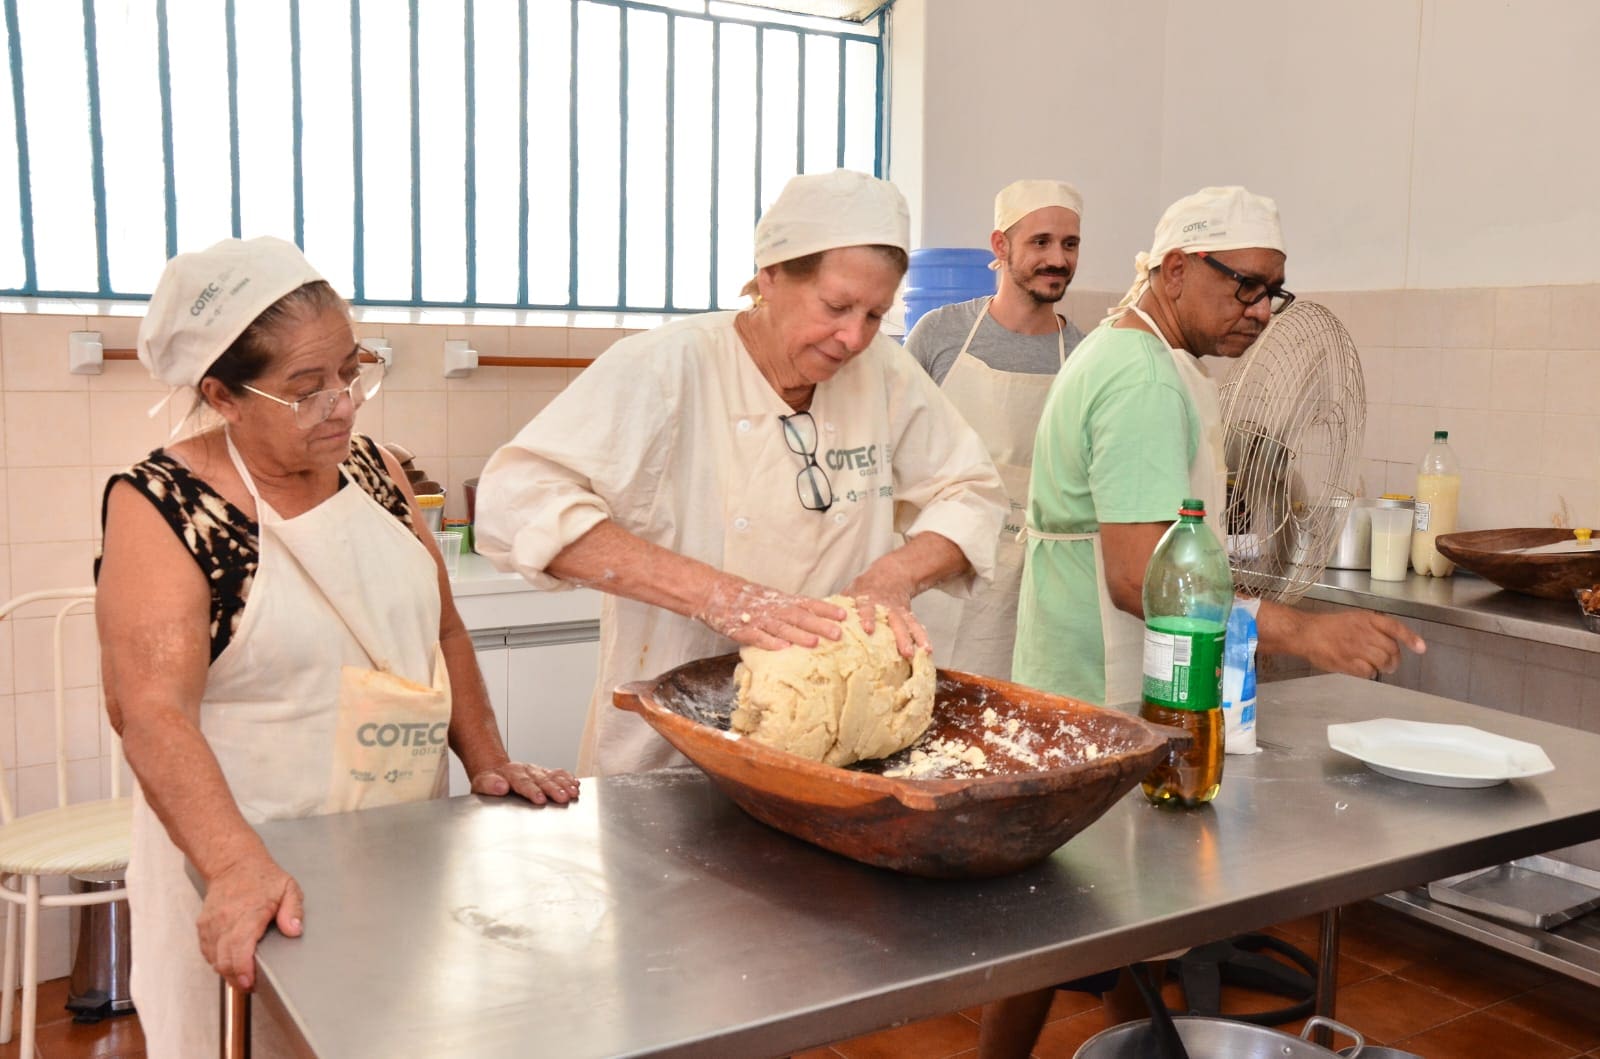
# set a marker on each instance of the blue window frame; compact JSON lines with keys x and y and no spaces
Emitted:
{"x":539,"y":154}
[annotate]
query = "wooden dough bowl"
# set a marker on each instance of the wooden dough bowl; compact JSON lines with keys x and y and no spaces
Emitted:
{"x":1013,"y":813}
{"x":1487,"y":554}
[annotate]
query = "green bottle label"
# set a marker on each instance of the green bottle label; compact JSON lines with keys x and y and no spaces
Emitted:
{"x":1183,"y":663}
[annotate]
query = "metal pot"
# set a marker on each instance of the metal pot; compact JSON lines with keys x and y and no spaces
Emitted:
{"x":1206,"y":1038}
{"x":1352,"y":522}
{"x":1378,"y":1051}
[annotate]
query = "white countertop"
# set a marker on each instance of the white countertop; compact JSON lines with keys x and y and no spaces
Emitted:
{"x":476,"y":576}
{"x":488,"y":598}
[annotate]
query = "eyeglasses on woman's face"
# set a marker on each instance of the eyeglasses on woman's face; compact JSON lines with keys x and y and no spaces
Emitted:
{"x":812,"y":485}
{"x":1251,"y":289}
{"x":314,"y":408}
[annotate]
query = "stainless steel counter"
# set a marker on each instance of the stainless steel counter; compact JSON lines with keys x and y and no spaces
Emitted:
{"x":655,"y":918}
{"x":1463,"y":600}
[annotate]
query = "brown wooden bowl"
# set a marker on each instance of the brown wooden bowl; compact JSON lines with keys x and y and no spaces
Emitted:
{"x":1488,"y":553}
{"x":1040,"y":786}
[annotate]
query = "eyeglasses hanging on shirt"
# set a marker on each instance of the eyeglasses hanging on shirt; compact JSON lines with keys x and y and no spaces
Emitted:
{"x":812,"y":485}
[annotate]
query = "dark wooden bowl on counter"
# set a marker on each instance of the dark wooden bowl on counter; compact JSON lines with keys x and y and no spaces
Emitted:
{"x":1493,"y":556}
{"x":1054,"y":765}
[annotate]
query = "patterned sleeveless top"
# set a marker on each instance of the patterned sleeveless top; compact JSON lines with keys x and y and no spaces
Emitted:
{"x":222,"y":539}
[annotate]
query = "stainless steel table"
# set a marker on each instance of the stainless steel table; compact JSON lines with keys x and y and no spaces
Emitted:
{"x":655,"y":918}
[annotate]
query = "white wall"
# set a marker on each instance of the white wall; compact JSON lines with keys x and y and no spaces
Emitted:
{"x":1409,"y":143}
{"x":1031,"y":88}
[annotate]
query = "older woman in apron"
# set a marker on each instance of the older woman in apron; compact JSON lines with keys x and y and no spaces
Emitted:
{"x":266,"y":607}
{"x":719,"y":475}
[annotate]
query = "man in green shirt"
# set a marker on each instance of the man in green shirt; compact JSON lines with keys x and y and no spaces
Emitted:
{"x":1131,"y":427}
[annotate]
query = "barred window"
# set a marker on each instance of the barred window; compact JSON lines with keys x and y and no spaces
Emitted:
{"x":560,"y":154}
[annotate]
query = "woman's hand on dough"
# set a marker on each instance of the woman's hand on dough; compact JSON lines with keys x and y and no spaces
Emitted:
{"x":538,"y":785}
{"x":756,"y":616}
{"x":241,"y":901}
{"x":874,"y":589}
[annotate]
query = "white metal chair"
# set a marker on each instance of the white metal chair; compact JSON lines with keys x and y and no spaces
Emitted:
{"x":71,"y":839}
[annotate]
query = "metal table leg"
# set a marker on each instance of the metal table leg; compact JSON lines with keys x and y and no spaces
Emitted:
{"x":1327,"y":974}
{"x":235,"y":1021}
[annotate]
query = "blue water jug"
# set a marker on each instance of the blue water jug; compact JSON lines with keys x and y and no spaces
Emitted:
{"x":942,"y":276}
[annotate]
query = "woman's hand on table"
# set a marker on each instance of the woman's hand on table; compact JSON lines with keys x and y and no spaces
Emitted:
{"x":756,"y":616}
{"x":241,"y":902}
{"x":537,"y":784}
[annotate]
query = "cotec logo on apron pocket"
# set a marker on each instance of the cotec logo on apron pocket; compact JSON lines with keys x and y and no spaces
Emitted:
{"x":420,"y":736}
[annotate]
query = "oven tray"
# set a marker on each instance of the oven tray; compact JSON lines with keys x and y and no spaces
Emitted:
{"x":1537,"y":892}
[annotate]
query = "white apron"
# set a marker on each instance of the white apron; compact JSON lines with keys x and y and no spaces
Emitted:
{"x":332,"y":695}
{"x":1122,"y":634}
{"x":976,"y":635}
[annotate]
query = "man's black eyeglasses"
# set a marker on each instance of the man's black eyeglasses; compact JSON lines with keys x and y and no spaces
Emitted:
{"x":812,"y":485}
{"x":1251,"y":288}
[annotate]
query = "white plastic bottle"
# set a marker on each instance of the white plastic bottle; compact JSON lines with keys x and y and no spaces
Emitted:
{"x":1438,"y":497}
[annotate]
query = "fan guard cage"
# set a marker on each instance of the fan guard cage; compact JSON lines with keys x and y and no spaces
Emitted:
{"x":1294,"y":416}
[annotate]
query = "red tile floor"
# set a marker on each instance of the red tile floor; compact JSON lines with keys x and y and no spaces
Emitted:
{"x":1400,"y":983}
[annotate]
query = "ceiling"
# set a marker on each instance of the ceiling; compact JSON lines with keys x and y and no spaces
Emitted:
{"x":853,"y":10}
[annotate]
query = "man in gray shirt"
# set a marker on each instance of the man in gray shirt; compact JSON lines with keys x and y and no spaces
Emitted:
{"x":995,"y":358}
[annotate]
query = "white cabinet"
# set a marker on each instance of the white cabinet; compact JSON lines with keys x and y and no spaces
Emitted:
{"x":539,"y":679}
{"x":551,"y":674}
{"x":491,"y":651}
{"x":539,"y":652}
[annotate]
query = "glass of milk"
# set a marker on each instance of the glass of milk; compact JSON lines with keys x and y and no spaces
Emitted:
{"x":1391,"y":542}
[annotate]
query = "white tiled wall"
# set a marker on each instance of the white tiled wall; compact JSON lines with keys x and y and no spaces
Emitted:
{"x":1560,"y":685}
{"x":1513,"y":374}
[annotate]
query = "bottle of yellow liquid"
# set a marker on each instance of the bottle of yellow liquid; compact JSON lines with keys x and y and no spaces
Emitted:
{"x":1438,"y":496}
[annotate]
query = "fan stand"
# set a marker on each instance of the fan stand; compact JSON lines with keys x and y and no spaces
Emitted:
{"x":1203,"y":972}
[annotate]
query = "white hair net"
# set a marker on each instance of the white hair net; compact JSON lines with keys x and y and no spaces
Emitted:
{"x":1021,"y":197}
{"x":826,"y":211}
{"x":1218,"y":218}
{"x":206,"y":299}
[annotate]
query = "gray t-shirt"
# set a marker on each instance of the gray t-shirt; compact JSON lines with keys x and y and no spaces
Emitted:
{"x":936,"y":342}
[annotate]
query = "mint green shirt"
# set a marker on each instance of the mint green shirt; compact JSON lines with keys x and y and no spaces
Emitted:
{"x":1118,"y":434}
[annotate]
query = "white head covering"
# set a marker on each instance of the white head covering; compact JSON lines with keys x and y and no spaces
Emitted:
{"x":1021,"y":197}
{"x":826,"y":211}
{"x":205,"y":300}
{"x":1219,"y":218}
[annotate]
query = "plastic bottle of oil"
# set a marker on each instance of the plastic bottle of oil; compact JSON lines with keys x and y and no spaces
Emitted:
{"x":1438,"y":497}
{"x":1188,"y":591}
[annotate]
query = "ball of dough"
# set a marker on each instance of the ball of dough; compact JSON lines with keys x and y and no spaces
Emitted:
{"x":842,"y":701}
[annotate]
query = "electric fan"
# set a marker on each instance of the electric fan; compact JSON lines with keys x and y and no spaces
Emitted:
{"x":1294,"y":409}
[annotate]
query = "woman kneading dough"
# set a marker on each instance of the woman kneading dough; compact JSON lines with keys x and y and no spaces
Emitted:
{"x":267,"y":612}
{"x":719,"y":475}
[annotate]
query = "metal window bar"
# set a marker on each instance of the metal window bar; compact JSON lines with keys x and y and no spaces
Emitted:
{"x":91,"y":51}
{"x":416,"y":158}
{"x":358,"y":250}
{"x":471,"y":180}
{"x":807,"y":32}
{"x":230,"y":22}
{"x":164,"y":68}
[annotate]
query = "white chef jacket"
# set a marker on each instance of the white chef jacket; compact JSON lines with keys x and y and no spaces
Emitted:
{"x":674,"y":435}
